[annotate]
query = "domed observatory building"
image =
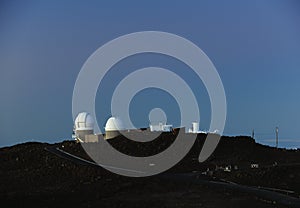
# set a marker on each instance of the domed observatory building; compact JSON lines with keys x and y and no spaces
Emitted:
{"x":113,"y":127}
{"x":83,"y":125}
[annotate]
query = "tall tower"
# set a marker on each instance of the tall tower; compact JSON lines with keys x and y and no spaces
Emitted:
{"x":277,"y":129}
{"x":252,"y":133}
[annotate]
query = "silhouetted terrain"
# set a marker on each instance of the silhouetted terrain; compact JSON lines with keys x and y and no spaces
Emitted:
{"x":32,"y":176}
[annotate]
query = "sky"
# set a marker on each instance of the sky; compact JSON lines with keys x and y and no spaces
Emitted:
{"x":254,"y":45}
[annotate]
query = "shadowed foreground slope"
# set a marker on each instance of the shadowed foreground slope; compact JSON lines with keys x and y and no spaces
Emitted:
{"x":30,"y":175}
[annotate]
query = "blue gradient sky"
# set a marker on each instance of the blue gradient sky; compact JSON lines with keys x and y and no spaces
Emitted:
{"x":254,"y":46}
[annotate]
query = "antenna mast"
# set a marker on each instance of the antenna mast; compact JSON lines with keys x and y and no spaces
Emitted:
{"x":277,"y":129}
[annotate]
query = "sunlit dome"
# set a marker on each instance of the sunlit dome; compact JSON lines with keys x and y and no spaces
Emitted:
{"x":84,"y":121}
{"x":114,"y":124}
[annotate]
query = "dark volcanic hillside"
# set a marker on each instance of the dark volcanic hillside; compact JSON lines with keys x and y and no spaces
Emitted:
{"x":30,"y":175}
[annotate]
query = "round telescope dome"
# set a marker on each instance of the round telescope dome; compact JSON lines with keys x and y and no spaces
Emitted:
{"x":114,"y":124}
{"x":84,"y":121}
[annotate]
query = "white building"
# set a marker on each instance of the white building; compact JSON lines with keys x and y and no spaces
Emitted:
{"x":161,"y":127}
{"x":195,"y":129}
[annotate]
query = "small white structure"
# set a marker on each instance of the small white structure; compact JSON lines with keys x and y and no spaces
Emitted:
{"x":195,"y":129}
{"x":113,"y":127}
{"x":254,"y":166}
{"x":227,"y":168}
{"x":83,"y":125}
{"x":216,"y":131}
{"x":161,"y":127}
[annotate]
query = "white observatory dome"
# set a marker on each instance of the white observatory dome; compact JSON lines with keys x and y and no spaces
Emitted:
{"x":114,"y":124}
{"x":84,"y":121}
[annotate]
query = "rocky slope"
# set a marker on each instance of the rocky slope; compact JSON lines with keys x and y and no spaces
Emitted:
{"x":32,"y":176}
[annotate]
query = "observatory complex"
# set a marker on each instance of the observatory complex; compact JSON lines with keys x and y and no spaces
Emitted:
{"x":83,"y":131}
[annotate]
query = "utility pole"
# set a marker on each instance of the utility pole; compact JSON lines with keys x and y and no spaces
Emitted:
{"x":277,"y":137}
